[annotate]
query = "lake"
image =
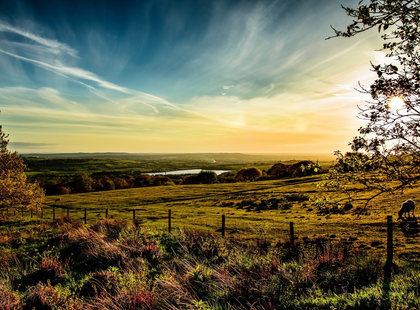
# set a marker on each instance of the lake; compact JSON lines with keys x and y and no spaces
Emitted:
{"x":187,"y":171}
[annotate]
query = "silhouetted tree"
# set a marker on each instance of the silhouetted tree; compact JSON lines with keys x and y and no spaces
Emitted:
{"x":390,"y":139}
{"x":15,"y":191}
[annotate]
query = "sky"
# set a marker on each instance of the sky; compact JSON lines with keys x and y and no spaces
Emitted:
{"x":181,"y":76}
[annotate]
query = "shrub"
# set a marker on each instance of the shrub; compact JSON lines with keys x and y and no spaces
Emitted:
{"x":49,"y":270}
{"x":8,"y":299}
{"x":47,"y":297}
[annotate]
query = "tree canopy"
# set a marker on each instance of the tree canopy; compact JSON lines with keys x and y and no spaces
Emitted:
{"x":15,"y":191}
{"x":248,"y":174}
{"x":390,"y":139}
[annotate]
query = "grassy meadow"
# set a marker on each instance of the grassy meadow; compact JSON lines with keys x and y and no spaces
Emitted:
{"x":335,"y":262}
{"x":260,"y":210}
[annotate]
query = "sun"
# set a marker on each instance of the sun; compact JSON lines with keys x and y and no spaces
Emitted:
{"x":396,"y":103}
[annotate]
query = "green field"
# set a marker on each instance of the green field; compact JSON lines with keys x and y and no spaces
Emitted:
{"x":68,"y":164}
{"x":202,"y":206}
{"x":336,"y":261}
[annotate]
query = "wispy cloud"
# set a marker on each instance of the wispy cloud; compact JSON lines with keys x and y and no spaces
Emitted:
{"x":26,"y":145}
{"x":72,"y":72}
{"x":53,"y":44}
{"x":75,"y":74}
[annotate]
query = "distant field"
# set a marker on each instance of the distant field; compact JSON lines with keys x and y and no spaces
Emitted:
{"x":201,"y":207}
{"x":77,"y":163}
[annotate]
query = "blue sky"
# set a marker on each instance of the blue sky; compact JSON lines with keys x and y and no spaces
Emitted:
{"x":180,"y":76}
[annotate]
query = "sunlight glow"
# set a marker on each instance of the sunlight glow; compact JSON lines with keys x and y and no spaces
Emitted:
{"x":396,"y":103}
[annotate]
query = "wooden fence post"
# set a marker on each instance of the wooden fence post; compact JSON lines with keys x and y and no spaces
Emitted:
{"x":169,"y":221}
{"x":223,"y":225}
{"x":22,"y":211}
{"x":106,"y":213}
{"x":42,"y":213}
{"x":390,"y":242}
{"x":134,"y":216}
{"x":388,"y":265}
{"x":85,"y":216}
{"x":292,"y":234}
{"x":31,"y":213}
{"x":68,"y":212}
{"x":53,"y":213}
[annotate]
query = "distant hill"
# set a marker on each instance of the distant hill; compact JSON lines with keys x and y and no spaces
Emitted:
{"x":210,"y":157}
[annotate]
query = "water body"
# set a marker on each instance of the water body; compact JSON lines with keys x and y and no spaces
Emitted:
{"x":187,"y":171}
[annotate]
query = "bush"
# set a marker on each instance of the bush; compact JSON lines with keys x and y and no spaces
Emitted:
{"x":8,"y":299}
{"x":47,"y":297}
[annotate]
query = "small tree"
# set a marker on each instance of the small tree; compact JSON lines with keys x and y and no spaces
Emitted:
{"x":83,"y":183}
{"x":207,"y":177}
{"x":391,"y":138}
{"x":248,"y":174}
{"x":303,"y":168}
{"x":278,"y":170}
{"x":15,"y":191}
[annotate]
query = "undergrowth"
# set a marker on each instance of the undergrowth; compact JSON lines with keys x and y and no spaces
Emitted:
{"x":116,"y":265}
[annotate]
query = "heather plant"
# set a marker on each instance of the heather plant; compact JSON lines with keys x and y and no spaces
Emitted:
{"x":110,"y":228}
{"x":139,"y":269}
{"x":9,"y":300}
{"x":48,"y":297}
{"x":51,"y":269}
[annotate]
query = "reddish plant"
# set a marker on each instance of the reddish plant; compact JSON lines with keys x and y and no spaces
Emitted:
{"x":47,"y":297}
{"x":9,"y":300}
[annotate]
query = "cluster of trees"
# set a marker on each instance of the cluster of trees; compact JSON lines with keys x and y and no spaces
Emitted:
{"x":84,"y":183}
{"x":101,"y":182}
{"x":299,"y":169}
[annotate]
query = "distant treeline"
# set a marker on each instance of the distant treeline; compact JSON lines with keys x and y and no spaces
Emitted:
{"x":104,"y":181}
